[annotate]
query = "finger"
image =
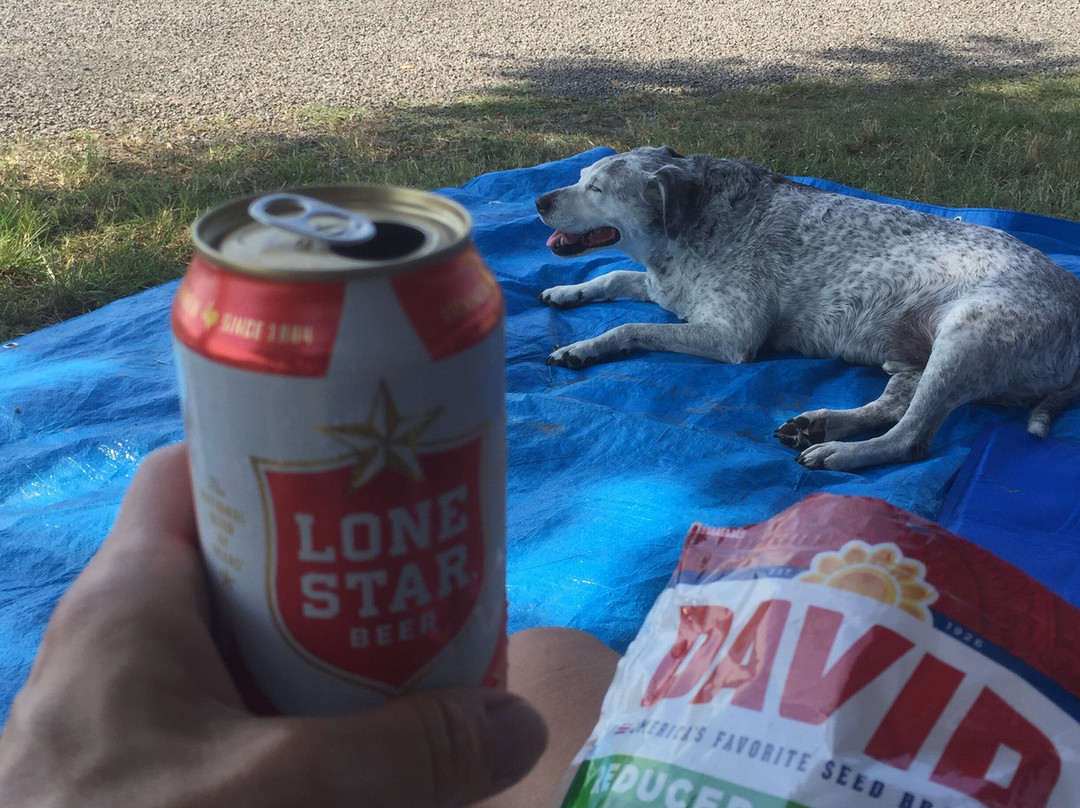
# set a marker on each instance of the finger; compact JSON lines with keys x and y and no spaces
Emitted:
{"x":467,"y":745}
{"x":151,"y":555}
{"x":143,"y":599}
{"x":428,"y":750}
{"x":159,"y":501}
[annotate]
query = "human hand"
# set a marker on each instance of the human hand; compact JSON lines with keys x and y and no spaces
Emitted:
{"x":129,"y":703}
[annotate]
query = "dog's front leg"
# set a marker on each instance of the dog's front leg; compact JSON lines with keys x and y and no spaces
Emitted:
{"x":696,"y":339}
{"x":620,"y":283}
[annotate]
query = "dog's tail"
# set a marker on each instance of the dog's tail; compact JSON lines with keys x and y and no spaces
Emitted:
{"x":1043,"y":414}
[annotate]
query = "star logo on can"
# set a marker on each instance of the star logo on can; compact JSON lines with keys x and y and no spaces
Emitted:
{"x":387,"y":439}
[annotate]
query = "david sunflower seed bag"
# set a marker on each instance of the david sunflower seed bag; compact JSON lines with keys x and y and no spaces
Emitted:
{"x":844,"y":654}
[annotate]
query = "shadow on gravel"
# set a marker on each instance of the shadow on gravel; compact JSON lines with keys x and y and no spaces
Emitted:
{"x":89,"y":219}
{"x":1004,"y":57}
{"x":885,"y":59}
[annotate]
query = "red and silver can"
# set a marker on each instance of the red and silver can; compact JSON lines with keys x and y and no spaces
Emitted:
{"x":341,"y":364}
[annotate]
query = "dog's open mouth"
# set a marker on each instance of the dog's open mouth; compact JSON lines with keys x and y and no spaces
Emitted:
{"x":563,"y":243}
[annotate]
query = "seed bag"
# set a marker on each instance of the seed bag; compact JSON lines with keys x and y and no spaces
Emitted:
{"x":844,"y":654}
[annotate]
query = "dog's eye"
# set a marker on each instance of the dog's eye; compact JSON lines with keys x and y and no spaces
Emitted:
{"x":590,"y":187}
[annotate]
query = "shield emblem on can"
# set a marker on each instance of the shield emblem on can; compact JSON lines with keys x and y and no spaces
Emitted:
{"x":375,"y":562}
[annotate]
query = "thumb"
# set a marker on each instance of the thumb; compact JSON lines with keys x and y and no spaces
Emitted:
{"x":440,"y":749}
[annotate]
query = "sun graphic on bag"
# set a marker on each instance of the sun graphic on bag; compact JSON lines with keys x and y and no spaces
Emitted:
{"x":878,"y":571}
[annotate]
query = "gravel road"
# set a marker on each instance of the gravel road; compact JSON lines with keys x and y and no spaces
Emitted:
{"x":166,"y":66}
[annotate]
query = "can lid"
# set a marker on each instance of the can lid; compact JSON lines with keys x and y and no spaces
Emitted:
{"x":318,"y":233}
{"x":311,"y":218}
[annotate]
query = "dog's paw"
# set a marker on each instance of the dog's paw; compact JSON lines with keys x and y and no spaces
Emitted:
{"x":573,"y":356}
{"x":801,"y":432}
{"x":563,"y":297}
{"x":833,"y":456}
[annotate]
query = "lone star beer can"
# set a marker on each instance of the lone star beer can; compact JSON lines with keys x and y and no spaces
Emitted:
{"x":340,"y":355}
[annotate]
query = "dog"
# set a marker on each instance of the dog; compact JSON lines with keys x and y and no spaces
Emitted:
{"x":750,"y":260}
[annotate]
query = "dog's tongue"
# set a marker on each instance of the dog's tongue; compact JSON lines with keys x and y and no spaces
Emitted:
{"x":562,"y":237}
{"x":601,"y":235}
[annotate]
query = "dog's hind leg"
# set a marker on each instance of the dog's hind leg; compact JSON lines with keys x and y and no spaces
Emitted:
{"x":620,"y":283}
{"x":1051,"y":407}
{"x":955,"y":374}
{"x":818,"y":426}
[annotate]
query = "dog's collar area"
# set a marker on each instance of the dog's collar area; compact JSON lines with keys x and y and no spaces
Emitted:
{"x":564,"y":244}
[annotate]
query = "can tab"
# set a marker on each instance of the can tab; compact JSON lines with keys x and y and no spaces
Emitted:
{"x":311,"y":218}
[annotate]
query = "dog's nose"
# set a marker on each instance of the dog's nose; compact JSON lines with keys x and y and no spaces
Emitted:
{"x":543,"y":203}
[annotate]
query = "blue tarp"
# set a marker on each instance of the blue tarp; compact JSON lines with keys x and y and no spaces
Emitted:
{"x":608,"y":466}
{"x":1019,"y":497}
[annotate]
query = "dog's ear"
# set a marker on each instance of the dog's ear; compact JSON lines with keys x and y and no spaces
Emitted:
{"x":679,"y":196}
{"x":674,"y":155}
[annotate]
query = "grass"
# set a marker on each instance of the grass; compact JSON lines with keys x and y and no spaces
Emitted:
{"x":87,"y":218}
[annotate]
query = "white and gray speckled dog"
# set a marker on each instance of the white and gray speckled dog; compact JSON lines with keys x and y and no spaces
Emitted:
{"x":749,"y":260}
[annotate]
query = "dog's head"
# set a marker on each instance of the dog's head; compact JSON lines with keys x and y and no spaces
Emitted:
{"x":634,"y":199}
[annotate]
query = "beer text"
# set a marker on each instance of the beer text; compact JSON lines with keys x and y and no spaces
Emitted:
{"x":386,"y":594}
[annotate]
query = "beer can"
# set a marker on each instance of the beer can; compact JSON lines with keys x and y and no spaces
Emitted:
{"x":340,"y":356}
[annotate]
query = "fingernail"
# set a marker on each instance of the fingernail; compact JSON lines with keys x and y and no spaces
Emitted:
{"x":520,"y":736}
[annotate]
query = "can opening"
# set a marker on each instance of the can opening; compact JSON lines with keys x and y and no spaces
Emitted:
{"x":391,"y":240}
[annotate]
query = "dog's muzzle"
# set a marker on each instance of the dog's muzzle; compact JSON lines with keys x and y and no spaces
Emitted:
{"x":564,"y":243}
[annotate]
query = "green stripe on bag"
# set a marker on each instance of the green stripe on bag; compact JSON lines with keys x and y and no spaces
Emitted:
{"x":624,"y":781}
